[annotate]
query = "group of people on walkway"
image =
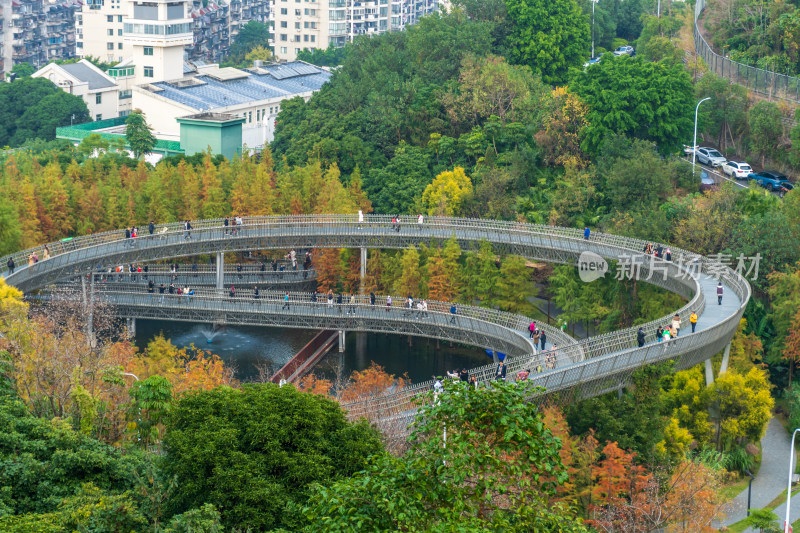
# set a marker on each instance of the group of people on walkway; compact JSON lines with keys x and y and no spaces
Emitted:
{"x":668,"y":332}
{"x":658,"y":251}
{"x":539,"y":336}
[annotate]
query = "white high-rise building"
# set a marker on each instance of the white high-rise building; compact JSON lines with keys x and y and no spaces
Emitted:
{"x":318,"y":23}
{"x":98,"y":30}
{"x":155,"y":35}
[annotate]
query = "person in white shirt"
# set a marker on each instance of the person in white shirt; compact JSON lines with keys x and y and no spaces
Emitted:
{"x":419,"y":221}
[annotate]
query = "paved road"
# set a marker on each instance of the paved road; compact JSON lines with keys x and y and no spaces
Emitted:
{"x":771,"y":478}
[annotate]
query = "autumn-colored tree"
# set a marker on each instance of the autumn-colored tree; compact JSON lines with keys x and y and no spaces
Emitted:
{"x":791,"y":349}
{"x":213,"y":197}
{"x":314,"y":385}
{"x":328,"y":264}
{"x":332,"y":196}
{"x":357,"y":193}
{"x":692,"y":501}
{"x":445,"y":195}
{"x":203,"y":371}
{"x":411,"y":276}
{"x":443,"y":272}
{"x":613,"y":475}
{"x":370,"y":382}
{"x":562,"y":133}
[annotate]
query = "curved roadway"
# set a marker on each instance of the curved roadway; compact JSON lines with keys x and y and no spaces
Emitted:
{"x":604,"y":362}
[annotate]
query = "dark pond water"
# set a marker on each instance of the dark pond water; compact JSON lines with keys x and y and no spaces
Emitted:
{"x":246,"y":348}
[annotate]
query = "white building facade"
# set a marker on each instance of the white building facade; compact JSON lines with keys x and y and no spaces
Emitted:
{"x":98,"y":90}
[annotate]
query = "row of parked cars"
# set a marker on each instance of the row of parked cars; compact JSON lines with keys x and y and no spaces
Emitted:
{"x":769,"y":179}
{"x":621,"y":51}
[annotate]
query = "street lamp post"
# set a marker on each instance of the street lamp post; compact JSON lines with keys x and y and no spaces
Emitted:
{"x":694,"y":141}
{"x":789,"y":484}
{"x":749,"y":488}
{"x":593,"y":3}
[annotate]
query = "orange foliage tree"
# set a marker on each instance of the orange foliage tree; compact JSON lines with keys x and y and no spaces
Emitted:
{"x":374,"y":380}
{"x":314,"y":385}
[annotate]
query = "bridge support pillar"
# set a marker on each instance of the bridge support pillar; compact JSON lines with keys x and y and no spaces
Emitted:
{"x":341,"y":341}
{"x":220,"y":270}
{"x":363,"y":268}
{"x":709,"y":373}
{"x":726,"y":356}
{"x":131,"y":327}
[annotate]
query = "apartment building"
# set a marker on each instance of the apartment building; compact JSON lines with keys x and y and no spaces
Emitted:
{"x":36,"y":31}
{"x":299,"y":24}
{"x":98,"y":30}
{"x":100,"y":27}
{"x":216,"y":24}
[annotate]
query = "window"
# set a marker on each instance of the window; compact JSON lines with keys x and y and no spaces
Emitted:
{"x":119,"y":32}
{"x":148,"y":72}
{"x":109,"y":18}
{"x":250,"y":116}
{"x":119,"y":46}
{"x":283,"y":37}
{"x":283,"y":49}
{"x":297,"y":12}
{"x":98,"y":98}
{"x":125,"y":94}
{"x":284,"y":24}
{"x":119,"y":18}
{"x":111,"y":32}
{"x":305,"y":24}
{"x":296,"y":38}
{"x":311,"y":12}
{"x":284,"y":11}
{"x":313,"y":38}
{"x":110,"y":46}
{"x":296,"y":50}
{"x":258,"y":115}
{"x":148,"y":50}
{"x":297,"y":25}
{"x":98,"y":118}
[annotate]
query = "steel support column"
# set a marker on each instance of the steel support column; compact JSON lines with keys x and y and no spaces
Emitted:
{"x":709,"y":373}
{"x":363,"y":268}
{"x":341,"y":341}
{"x":220,"y":270}
{"x":726,"y":356}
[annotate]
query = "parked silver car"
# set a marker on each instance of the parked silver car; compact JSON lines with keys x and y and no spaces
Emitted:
{"x":710,"y":156}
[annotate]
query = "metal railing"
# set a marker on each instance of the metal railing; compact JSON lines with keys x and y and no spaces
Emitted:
{"x":755,"y":79}
{"x":489,"y":328}
{"x":610,"y":356}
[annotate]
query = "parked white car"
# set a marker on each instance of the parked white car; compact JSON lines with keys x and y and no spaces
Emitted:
{"x":689,"y":150}
{"x":624,"y":51}
{"x":710,"y":156}
{"x":736,"y":169}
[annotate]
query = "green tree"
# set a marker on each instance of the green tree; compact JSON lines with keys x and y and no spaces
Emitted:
{"x":32,"y":108}
{"x":251,"y":452}
{"x":23,"y":70}
{"x":151,"y":400}
{"x":651,"y":101}
{"x":396,"y":187}
{"x":493,"y":471}
{"x":139,"y":134}
{"x":766,"y":128}
{"x":328,"y":57}
{"x":724,"y":116}
{"x":514,"y":285}
{"x":765,"y":520}
{"x":250,"y":36}
{"x":549,"y":37}
{"x":42,"y":462}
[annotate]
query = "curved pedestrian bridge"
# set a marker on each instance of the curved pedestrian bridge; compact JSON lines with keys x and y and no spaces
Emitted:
{"x":588,"y":367}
